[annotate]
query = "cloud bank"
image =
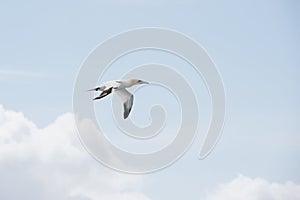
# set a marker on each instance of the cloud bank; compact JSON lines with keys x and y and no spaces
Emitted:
{"x":246,"y":188}
{"x":50,"y":163}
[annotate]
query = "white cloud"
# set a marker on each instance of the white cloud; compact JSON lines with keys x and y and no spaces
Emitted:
{"x":8,"y":74}
{"x":50,"y":163}
{"x":246,"y":188}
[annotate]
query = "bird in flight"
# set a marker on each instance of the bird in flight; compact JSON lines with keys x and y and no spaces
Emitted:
{"x":119,"y":87}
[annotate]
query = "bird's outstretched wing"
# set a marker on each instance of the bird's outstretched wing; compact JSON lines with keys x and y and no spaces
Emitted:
{"x":104,"y":93}
{"x":127,"y":99}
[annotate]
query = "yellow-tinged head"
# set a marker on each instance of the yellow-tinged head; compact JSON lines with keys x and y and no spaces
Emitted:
{"x":137,"y":81}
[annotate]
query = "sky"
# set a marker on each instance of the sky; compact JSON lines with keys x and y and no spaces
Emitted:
{"x":255,"y":46}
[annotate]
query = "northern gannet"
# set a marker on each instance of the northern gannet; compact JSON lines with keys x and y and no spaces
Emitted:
{"x":119,"y":88}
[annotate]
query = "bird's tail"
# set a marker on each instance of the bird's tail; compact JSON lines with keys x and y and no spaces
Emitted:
{"x":96,"y":89}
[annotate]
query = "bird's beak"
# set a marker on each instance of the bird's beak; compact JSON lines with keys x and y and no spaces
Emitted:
{"x":144,"y":82}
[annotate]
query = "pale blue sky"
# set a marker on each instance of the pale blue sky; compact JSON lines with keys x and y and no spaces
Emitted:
{"x":255,"y":45}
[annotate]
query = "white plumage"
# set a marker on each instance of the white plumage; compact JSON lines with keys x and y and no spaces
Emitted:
{"x":119,"y":87}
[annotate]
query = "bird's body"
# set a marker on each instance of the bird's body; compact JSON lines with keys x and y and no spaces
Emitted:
{"x":119,"y":87}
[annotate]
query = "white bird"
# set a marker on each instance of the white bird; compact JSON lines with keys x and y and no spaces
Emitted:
{"x":119,"y":88}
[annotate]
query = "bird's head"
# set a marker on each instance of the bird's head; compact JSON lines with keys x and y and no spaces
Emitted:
{"x":138,"y":81}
